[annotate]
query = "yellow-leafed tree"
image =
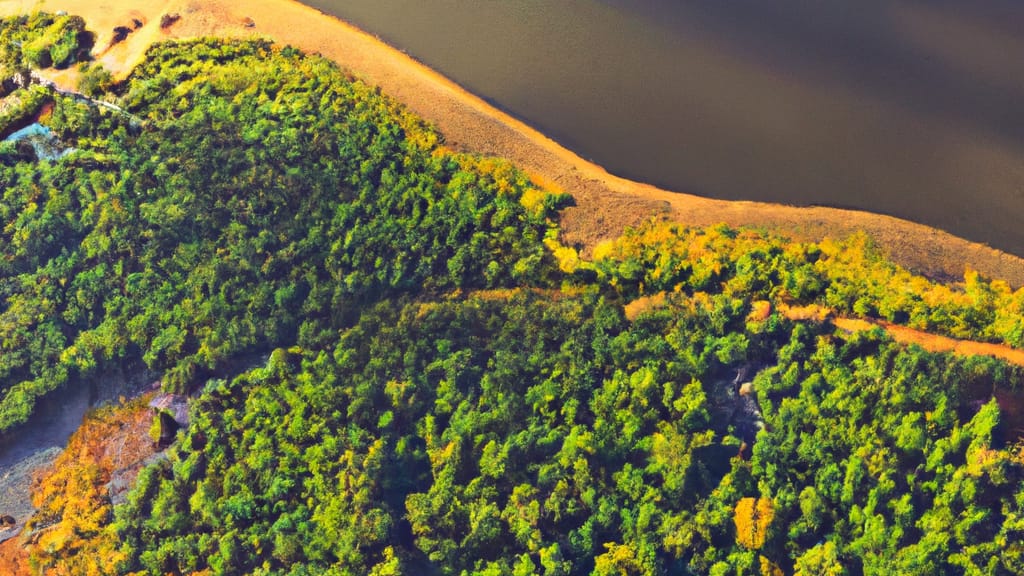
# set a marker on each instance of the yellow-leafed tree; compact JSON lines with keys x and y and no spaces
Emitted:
{"x":753,"y":517}
{"x":74,"y":507}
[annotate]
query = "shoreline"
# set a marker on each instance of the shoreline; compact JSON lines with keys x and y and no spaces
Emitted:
{"x":605,"y":204}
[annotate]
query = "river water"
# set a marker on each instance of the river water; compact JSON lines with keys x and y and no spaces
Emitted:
{"x":42,"y":140}
{"x":58,"y":415}
{"x":913,"y":108}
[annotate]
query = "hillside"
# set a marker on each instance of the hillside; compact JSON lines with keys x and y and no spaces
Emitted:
{"x":449,"y":388}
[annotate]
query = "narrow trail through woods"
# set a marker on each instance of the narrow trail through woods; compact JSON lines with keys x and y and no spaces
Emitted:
{"x":906,"y":335}
{"x":935,"y":342}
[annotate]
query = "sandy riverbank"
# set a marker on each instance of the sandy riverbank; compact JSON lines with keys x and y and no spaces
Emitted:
{"x":605,"y":204}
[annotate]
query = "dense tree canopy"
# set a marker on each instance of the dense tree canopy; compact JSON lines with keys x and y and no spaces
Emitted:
{"x":42,"y":40}
{"x":519,"y":433}
{"x":449,"y":390}
{"x":248,"y":197}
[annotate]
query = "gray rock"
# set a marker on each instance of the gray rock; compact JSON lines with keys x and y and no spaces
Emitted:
{"x":15,"y":498}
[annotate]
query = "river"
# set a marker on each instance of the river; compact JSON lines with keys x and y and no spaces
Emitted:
{"x":904,"y":107}
{"x":35,"y":444}
{"x":58,"y":414}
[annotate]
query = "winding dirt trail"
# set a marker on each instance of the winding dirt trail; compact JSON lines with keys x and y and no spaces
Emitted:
{"x":905,"y":335}
{"x":605,"y":204}
{"x":935,"y":342}
{"x":1011,"y":401}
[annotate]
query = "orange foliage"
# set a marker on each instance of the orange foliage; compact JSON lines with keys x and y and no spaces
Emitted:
{"x":644,"y":303}
{"x":72,"y":498}
{"x":760,"y":310}
{"x":753,"y":517}
{"x":14,"y":558}
{"x":769,"y":568}
{"x":814,"y":312}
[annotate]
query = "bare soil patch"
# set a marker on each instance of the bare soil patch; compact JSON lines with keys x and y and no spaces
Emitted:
{"x":934,"y":342}
{"x":903,"y":334}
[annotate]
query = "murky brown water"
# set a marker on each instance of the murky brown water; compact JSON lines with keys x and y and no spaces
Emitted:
{"x":911,"y":108}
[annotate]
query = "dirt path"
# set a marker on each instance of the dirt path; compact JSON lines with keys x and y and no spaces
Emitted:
{"x":1011,"y":402}
{"x":904,"y":335}
{"x":935,"y":342}
{"x":605,"y":204}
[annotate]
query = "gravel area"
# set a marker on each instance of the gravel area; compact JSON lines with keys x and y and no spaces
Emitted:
{"x":14,"y":488}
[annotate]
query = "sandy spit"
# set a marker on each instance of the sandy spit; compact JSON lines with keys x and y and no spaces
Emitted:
{"x":604,"y":204}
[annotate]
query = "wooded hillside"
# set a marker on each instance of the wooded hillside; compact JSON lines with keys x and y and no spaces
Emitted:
{"x":450,"y":390}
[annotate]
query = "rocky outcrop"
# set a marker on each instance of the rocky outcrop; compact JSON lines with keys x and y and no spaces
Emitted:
{"x":168,"y":20}
{"x":174,"y":405}
{"x":15,"y":506}
{"x":171,"y":414}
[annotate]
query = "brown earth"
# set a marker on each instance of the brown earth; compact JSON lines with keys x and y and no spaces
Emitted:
{"x":934,"y":342}
{"x":904,"y":335}
{"x":605,"y":204}
{"x":15,"y":482}
{"x":14,"y":558}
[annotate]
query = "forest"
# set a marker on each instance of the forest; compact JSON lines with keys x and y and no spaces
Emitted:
{"x":444,"y":387}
